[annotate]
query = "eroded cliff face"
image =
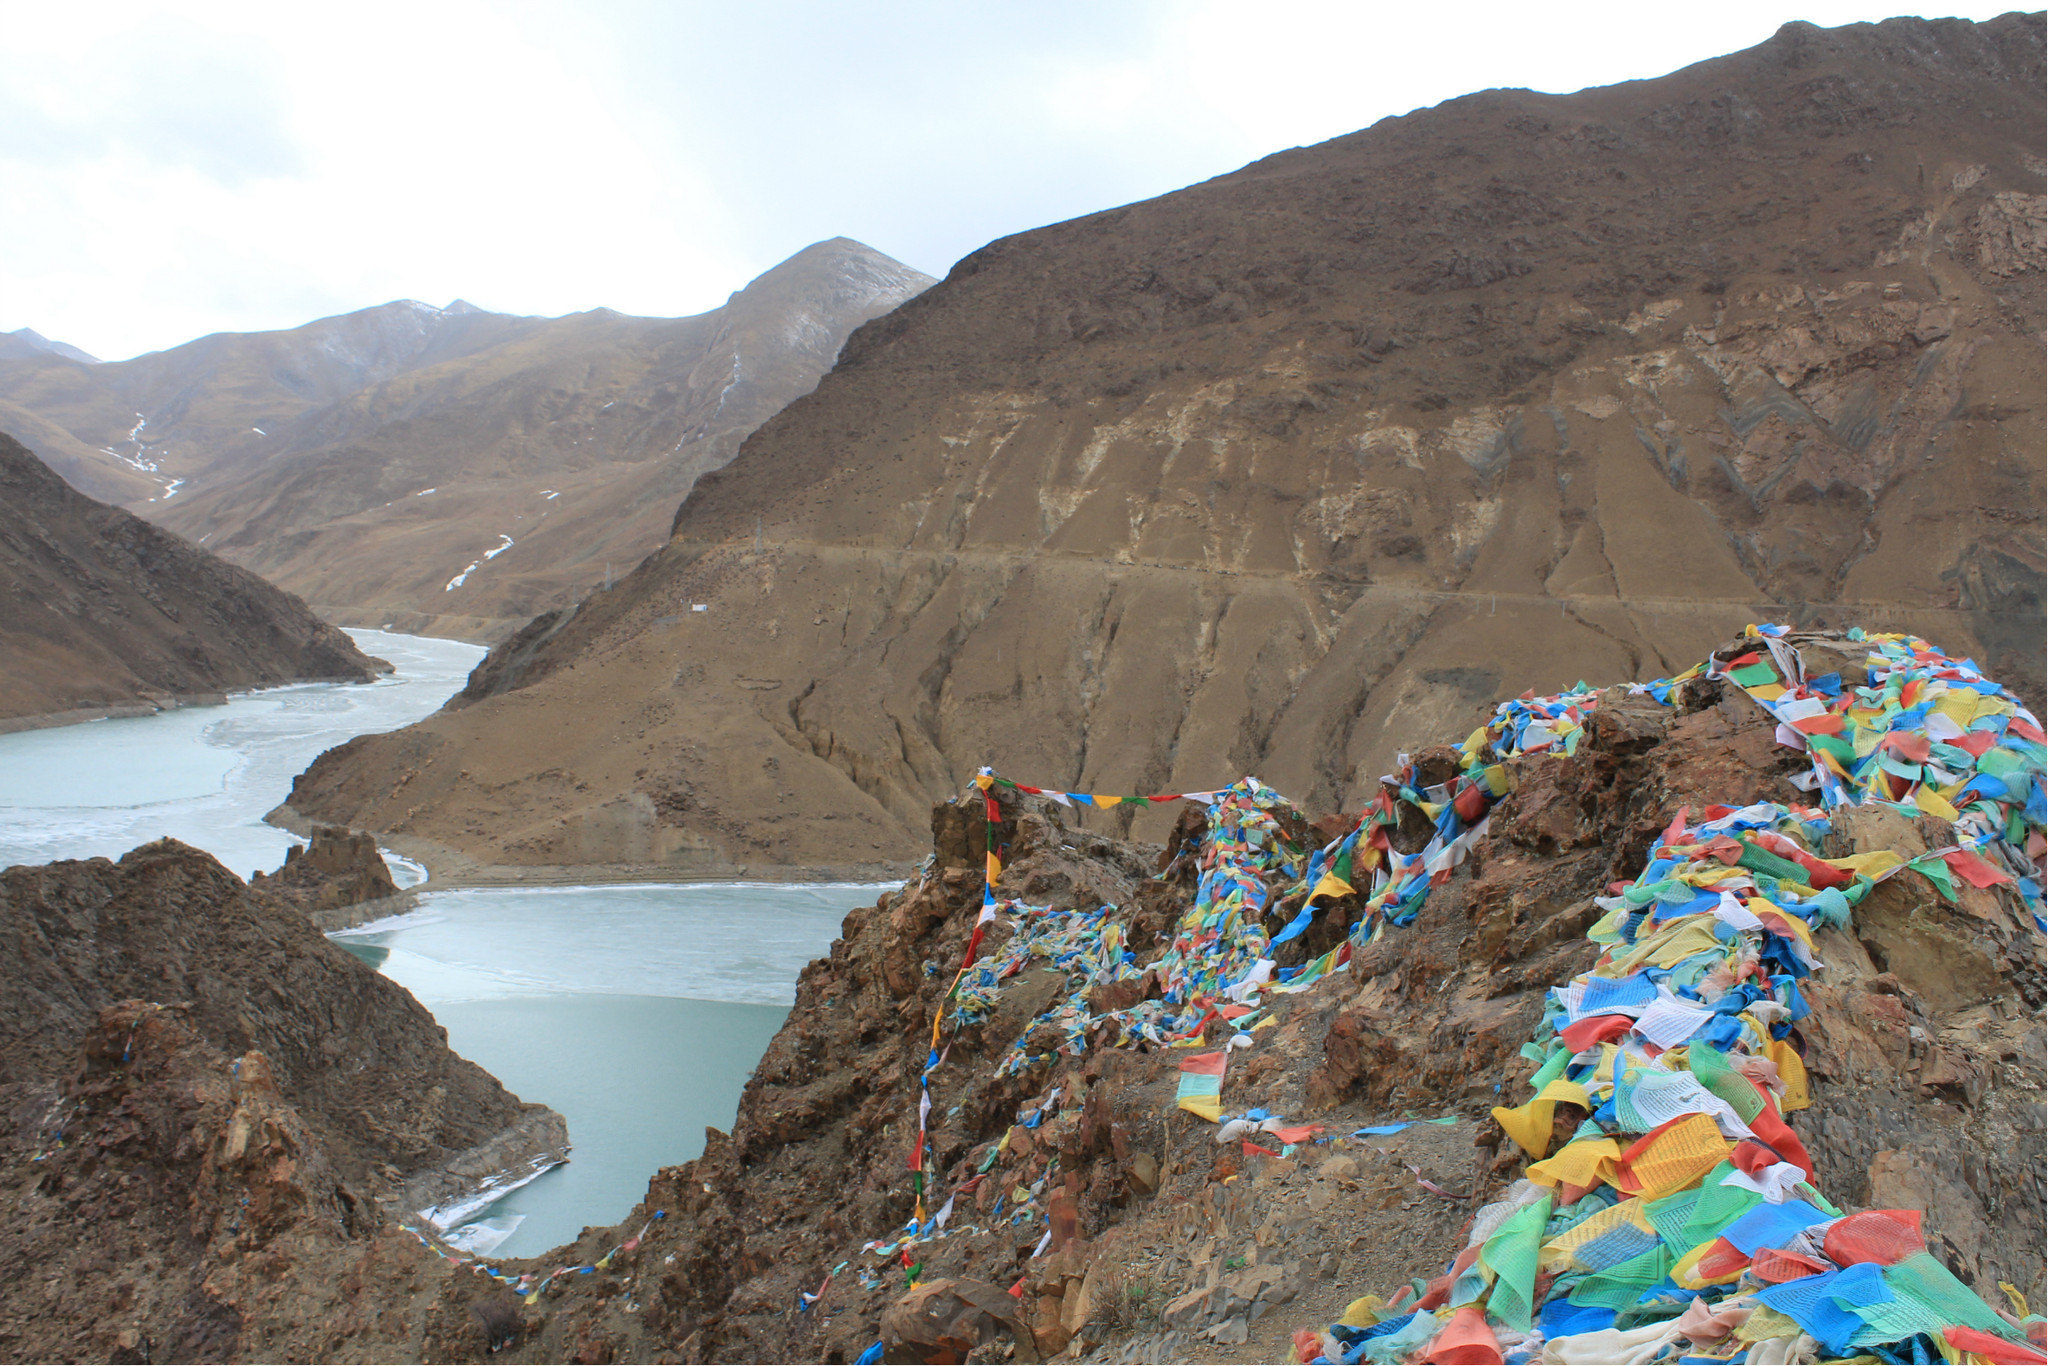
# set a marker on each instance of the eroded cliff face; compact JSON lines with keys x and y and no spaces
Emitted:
{"x":1922,"y":1054}
{"x":1278,"y":469}
{"x":214,"y":1118}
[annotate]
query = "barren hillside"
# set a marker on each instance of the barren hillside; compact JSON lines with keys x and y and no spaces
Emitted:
{"x":101,"y":611}
{"x":1269,"y":472}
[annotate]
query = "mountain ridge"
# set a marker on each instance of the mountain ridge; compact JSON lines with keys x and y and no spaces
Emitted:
{"x":294,"y":453}
{"x":26,"y":341}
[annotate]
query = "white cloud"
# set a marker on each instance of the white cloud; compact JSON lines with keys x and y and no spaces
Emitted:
{"x":172,"y":169}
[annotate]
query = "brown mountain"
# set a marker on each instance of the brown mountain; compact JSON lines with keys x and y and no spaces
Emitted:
{"x":100,"y":611}
{"x":451,"y":470}
{"x":1266,"y":473}
{"x":171,"y":423}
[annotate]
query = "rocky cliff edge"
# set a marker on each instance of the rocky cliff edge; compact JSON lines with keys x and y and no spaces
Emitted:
{"x":214,"y":1121}
{"x":1060,"y":1202}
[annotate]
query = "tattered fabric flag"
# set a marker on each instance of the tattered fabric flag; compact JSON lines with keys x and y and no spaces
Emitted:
{"x":1201,"y":1085}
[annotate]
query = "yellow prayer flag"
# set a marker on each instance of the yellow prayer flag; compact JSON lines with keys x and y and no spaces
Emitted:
{"x":1676,"y":1158}
{"x":1766,"y":1323}
{"x":1959,"y":707}
{"x":1330,"y":885}
{"x":1686,"y":1272}
{"x":1934,"y":804}
{"x":1679,"y":939}
{"x":1586,"y":1162}
{"x":1874,"y":864}
{"x":1558,"y":1252}
{"x":1529,"y":1124}
{"x":1791,"y":1071}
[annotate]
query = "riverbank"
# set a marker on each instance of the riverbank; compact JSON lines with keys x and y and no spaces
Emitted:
{"x":450,"y":868}
{"x":470,"y":630}
{"x":153,"y":706}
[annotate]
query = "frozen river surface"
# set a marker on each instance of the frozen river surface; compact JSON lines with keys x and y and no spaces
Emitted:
{"x":206,"y":775}
{"x":636,"y":1011}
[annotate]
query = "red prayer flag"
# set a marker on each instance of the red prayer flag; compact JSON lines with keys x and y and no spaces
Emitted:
{"x":1906,"y":745}
{"x":1983,"y":1344}
{"x":1470,"y":804}
{"x":1972,"y":868}
{"x":1771,"y":1127}
{"x":1595,"y":1029}
{"x":1752,"y":1157}
{"x":1723,"y":1259}
{"x":1776,"y":1266}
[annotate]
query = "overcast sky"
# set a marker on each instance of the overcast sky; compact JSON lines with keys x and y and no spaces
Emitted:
{"x":169,"y":170}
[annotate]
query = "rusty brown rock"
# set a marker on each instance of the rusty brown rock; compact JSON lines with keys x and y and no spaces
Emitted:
{"x":948,"y":1318}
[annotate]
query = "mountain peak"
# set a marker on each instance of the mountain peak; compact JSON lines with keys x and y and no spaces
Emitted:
{"x":840,"y":264}
{"x":29,"y":342}
{"x":842,"y":249}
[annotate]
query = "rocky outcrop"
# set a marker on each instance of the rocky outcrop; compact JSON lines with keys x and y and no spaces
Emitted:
{"x":103,"y":614}
{"x":338,"y":879}
{"x":214,"y":1117}
{"x":1275,"y":472}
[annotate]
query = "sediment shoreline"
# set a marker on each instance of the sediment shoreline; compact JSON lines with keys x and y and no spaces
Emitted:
{"x":450,"y":868}
{"x":149,"y":706}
